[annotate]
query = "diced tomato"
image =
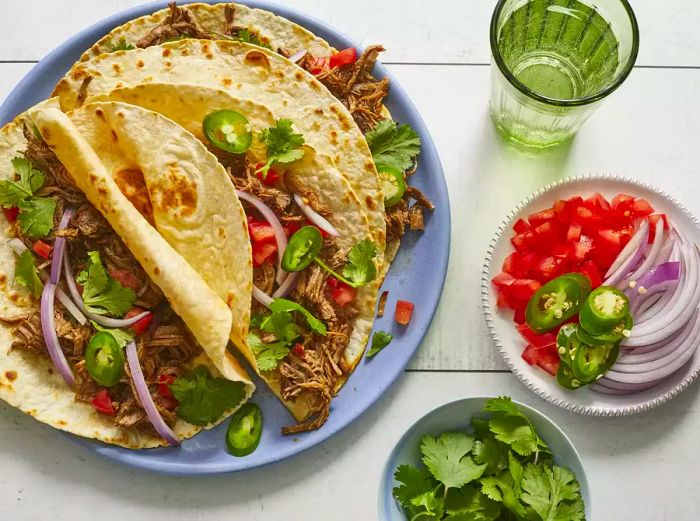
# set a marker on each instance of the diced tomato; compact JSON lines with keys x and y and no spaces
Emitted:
{"x":502,"y":279}
{"x":102,"y":402}
{"x":590,"y":270}
{"x":542,"y":217}
{"x":344,"y":57}
{"x":561,"y":251}
{"x":513,"y":264}
{"x":521,"y":226}
{"x":589,"y":221}
{"x":574,"y":232}
{"x":291,"y":228}
{"x":404,"y":312}
{"x":522,"y":240}
{"x":170,"y":404}
{"x":42,"y":249}
{"x":142,"y":325}
{"x":11,"y":214}
{"x":324,"y":233}
{"x":546,"y":231}
{"x":519,"y":316}
{"x":653,"y":220}
{"x":263,"y":251}
{"x":581,"y":248}
{"x":529,"y":261}
{"x":261,"y":231}
{"x":548,"y":359}
{"x":271,"y":177}
{"x":332,"y":283}
{"x":598,"y":203}
{"x":641,"y":208}
{"x":547,"y":268}
{"x":164,"y":382}
{"x":298,"y":350}
{"x":343,"y":294}
{"x":610,"y":238}
{"x":320,"y":64}
{"x":621,"y":200}
{"x":530,"y":355}
{"x":559,"y":208}
{"x":523,"y":289}
{"x":532,"y":338}
{"x":126,"y":278}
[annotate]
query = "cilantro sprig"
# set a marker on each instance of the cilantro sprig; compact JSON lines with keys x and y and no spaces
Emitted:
{"x":26,"y":273}
{"x":121,"y":45}
{"x":360,"y":268}
{"x":280,"y":323}
{"x":501,"y":471}
{"x":202,"y":398}
{"x":393,"y":145}
{"x":380,"y":340}
{"x":101,"y":293}
{"x":35,"y":213}
{"x":282,"y":143}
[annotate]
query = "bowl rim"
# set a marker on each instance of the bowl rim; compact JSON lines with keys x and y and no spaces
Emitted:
{"x":387,"y":476}
{"x":489,"y":312}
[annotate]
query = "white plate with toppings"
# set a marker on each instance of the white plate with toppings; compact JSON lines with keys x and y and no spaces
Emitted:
{"x":662,"y":351}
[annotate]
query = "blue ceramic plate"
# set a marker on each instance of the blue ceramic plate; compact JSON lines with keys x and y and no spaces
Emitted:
{"x":418,"y":275}
{"x":455,"y":416}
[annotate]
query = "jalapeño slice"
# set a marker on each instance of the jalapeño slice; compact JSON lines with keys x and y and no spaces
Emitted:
{"x":621,"y":330}
{"x":302,"y":249}
{"x":554,"y":303}
{"x":243,"y":434}
{"x":591,"y":362}
{"x":566,"y":332}
{"x":393,"y":184}
{"x":104,"y":359}
{"x":604,"y":309}
{"x":566,"y":378}
{"x":228,"y":130}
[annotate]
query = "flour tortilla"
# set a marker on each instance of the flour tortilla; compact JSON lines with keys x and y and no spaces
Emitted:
{"x":29,"y":382}
{"x":247,"y":72}
{"x":188,"y":105}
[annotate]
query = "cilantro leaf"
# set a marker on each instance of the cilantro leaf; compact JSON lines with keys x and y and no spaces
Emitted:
{"x":283,"y":145}
{"x":36,"y":216}
{"x":393,"y":145}
{"x":488,"y":452}
{"x":501,"y":489}
{"x":203,"y":398}
{"x":267,"y":356}
{"x":414,"y":482}
{"x":553,"y":493}
{"x":281,"y":324}
{"x":121,"y":45}
{"x":512,"y":427}
{"x":281,"y":305}
{"x":101,"y":293}
{"x":26,"y":273}
{"x":30,"y":180}
{"x":446,"y":458}
{"x":380,"y":340}
{"x":248,"y":36}
{"x":431,"y":504}
{"x":469,"y":504}
{"x":121,"y":336}
{"x":361,"y":268}
{"x":480,"y":428}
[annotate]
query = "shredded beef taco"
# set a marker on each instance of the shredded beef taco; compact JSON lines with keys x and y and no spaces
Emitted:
{"x":346,"y":75}
{"x":107,"y":332}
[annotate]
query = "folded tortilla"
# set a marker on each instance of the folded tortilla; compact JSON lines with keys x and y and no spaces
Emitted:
{"x":28,"y":381}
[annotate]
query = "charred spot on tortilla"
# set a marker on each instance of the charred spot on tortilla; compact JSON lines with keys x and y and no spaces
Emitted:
{"x":11,"y":375}
{"x":167,"y":52}
{"x":176,"y":195}
{"x":115,"y":138}
{"x":77,"y":73}
{"x":3,"y":278}
{"x":62,"y":423}
{"x":185,"y":52}
{"x":140,"y":64}
{"x":119,"y":85}
{"x":156,"y":270}
{"x":221,"y":232}
{"x":229,"y":299}
{"x":168,"y":64}
{"x":226,"y":82}
{"x":334,"y":137}
{"x":318,"y":111}
{"x":117,"y":68}
{"x":133,"y":185}
{"x":120,"y":114}
{"x":257,"y":59}
{"x":100,"y":114}
{"x":370,"y":203}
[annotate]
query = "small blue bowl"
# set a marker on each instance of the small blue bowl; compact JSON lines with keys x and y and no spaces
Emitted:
{"x":455,"y":416}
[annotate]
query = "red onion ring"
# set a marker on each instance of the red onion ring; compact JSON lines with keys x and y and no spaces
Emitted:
{"x":315,"y":217}
{"x":628,"y":257}
{"x":294,"y":58}
{"x":145,"y":397}
{"x":653,"y":252}
{"x":64,"y":299}
{"x":285,"y":286}
{"x":102,"y":320}
{"x":59,"y":247}
{"x":48,"y":328}
{"x":261,"y":296}
{"x":657,"y":276}
{"x":277,"y":228}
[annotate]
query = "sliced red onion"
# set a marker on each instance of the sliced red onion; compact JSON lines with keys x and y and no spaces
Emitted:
{"x":102,"y":320}
{"x":18,"y":246}
{"x":649,"y":283}
{"x":285,"y":286}
{"x":261,"y":296}
{"x":59,"y":247}
{"x":145,"y":397}
{"x":650,"y":259}
{"x":48,"y":328}
{"x":294,"y":58}
{"x":315,"y":218}
{"x":652,"y":300}
{"x":605,"y":386}
{"x":271,"y":218}
{"x":628,"y":258}
{"x":64,"y":299}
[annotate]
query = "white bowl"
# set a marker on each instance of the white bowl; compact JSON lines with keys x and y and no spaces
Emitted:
{"x":511,"y":345}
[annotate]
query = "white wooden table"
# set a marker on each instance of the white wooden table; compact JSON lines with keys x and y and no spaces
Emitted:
{"x":642,"y":468}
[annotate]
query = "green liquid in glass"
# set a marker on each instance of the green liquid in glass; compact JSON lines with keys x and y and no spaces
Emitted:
{"x":560,"y":49}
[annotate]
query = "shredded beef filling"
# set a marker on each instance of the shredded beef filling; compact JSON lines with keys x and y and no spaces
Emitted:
{"x":164,"y":349}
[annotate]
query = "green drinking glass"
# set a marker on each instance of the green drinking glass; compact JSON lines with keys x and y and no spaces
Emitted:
{"x":553,"y":63}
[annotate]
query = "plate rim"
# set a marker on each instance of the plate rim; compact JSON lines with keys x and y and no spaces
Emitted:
{"x":442,"y":236}
{"x":489,"y":312}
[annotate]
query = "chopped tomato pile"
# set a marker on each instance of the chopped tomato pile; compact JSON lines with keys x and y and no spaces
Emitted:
{"x":575,"y":235}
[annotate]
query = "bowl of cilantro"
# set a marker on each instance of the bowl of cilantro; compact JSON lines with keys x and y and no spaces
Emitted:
{"x":486,"y":459}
